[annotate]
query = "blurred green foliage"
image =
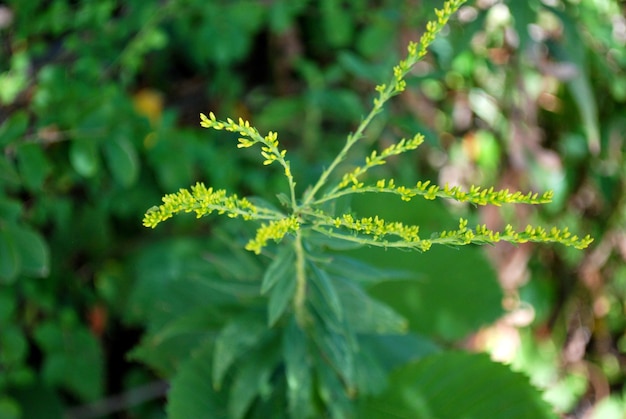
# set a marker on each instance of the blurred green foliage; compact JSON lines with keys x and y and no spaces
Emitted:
{"x":98,"y":118}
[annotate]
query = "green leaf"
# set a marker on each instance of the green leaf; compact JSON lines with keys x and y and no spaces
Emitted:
{"x":14,"y":346}
{"x":13,"y":127}
{"x":33,"y":165}
{"x":458,"y":385}
{"x":38,"y":401}
{"x":9,"y":257}
{"x":327,"y":290}
{"x":8,"y":174}
{"x":122,"y":160}
{"x":281,"y":295}
{"x":366,"y":315}
{"x":297,"y":371}
{"x":332,"y":392}
{"x":252,"y":379}
{"x":33,"y":251}
{"x":84,"y":157}
{"x":240,"y":335}
{"x":365,"y":273}
{"x":73,"y":359}
{"x":9,"y":408}
{"x":10,"y":209}
{"x":191,"y":394}
{"x":571,"y":51}
{"x":457,"y":291}
{"x":281,"y":266}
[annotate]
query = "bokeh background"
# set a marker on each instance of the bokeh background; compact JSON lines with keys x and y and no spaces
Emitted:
{"x":99,"y":117}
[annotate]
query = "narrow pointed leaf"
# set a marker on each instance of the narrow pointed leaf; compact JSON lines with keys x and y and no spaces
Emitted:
{"x":298,"y":371}
{"x":327,"y":290}
{"x":282,"y":265}
{"x":240,"y":335}
{"x":281,"y":295}
{"x":191,"y":394}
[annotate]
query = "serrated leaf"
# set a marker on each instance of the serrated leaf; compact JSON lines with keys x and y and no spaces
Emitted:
{"x":297,"y":371}
{"x":191,"y":394}
{"x":240,"y":335}
{"x":34,"y":253}
{"x":9,"y":257}
{"x":281,"y":266}
{"x":281,"y":295}
{"x":122,"y":160}
{"x":457,"y":385}
{"x":33,"y":165}
{"x":84,"y":157}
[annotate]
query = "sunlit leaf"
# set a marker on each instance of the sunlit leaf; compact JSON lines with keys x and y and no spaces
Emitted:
{"x":458,"y":385}
{"x":33,"y":251}
{"x":84,"y":157}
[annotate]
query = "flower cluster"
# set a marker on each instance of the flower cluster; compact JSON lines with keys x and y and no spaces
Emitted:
{"x":481,"y":235}
{"x":250,"y":137}
{"x":274,"y":230}
{"x":202,"y":201}
{"x":476,"y":195}
{"x":307,"y":212}
{"x":375,"y":159}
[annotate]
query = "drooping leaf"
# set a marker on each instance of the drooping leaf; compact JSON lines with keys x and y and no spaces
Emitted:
{"x":457,"y":385}
{"x":366,"y":315}
{"x":297,"y":371}
{"x":281,"y":266}
{"x":281,"y":295}
{"x":327,"y":290}
{"x":240,"y":335}
{"x":252,"y":379}
{"x":191,"y":394}
{"x":332,"y":391}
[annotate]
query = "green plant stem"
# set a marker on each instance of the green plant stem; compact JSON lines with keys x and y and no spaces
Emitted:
{"x":352,"y":139}
{"x":300,"y":295}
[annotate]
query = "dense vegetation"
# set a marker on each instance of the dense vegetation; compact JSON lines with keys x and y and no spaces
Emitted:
{"x":99,"y":119}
